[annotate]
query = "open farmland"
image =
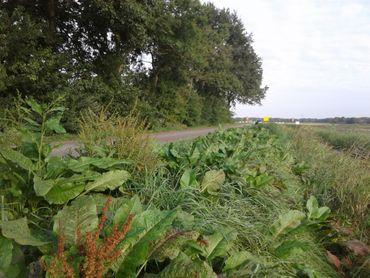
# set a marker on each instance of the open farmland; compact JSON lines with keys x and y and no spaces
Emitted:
{"x":259,"y":201}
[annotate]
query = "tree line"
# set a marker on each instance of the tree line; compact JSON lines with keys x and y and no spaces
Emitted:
{"x":173,"y":61}
{"x":333,"y":120}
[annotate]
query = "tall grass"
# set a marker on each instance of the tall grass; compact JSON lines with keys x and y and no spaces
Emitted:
{"x":357,"y":143}
{"x":125,"y":138}
{"x":250,"y":211}
{"x":341,"y":181}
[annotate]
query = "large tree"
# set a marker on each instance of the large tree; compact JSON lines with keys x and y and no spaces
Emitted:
{"x":171,"y":59}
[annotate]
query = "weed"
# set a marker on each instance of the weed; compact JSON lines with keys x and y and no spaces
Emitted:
{"x":124,"y":138}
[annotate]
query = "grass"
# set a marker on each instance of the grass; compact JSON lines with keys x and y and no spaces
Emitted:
{"x":250,"y":211}
{"x":356,"y":142}
{"x":299,"y":164}
{"x":338,"y":179}
{"x":124,"y":138}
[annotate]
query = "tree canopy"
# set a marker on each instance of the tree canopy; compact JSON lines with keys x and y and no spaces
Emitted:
{"x":175,"y":61}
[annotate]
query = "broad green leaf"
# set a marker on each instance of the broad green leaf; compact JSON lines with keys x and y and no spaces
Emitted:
{"x":42,"y":187}
{"x":108,"y":162}
{"x":322,"y":214}
{"x":172,"y":244}
{"x":81,"y":216}
{"x":316,"y":213}
{"x":212,"y":181}
{"x":219,"y":243}
{"x":56,"y":166}
{"x":53,"y":124}
{"x":146,"y":229}
{"x":236,"y":260}
{"x":17,"y":158}
{"x":263,"y":180}
{"x":85,"y":163}
{"x":184,"y":267}
{"x":19,"y":231}
{"x":288,"y":247}
{"x":132,"y":206}
{"x":31,"y":122}
{"x":6,"y":252}
{"x":288,"y":222}
{"x":188,"y":179}
{"x":109,"y":180}
{"x":62,"y":192}
{"x":184,"y":221}
{"x":312,"y":204}
{"x":195,"y":155}
{"x":35,"y":106}
{"x":17,"y":267}
{"x":80,"y":165}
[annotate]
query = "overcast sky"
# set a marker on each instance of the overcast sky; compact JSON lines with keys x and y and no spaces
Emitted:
{"x":316,"y":55}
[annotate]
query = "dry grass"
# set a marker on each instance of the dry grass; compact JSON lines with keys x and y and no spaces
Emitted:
{"x":340,"y":180}
{"x":124,"y":138}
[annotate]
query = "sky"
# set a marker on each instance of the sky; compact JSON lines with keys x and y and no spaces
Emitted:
{"x":315,"y":54}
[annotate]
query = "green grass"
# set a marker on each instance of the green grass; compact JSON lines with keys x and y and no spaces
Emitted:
{"x":352,"y":140}
{"x":337,"y":178}
{"x":250,"y":211}
{"x":269,"y":174}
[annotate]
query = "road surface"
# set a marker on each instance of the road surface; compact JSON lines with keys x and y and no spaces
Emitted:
{"x":71,"y":147}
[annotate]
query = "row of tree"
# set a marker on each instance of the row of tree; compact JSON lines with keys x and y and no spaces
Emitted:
{"x":174,"y":61}
{"x":334,"y":120}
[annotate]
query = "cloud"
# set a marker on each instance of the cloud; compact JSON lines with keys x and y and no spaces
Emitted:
{"x":312,"y":50}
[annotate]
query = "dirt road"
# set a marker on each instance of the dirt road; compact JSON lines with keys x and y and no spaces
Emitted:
{"x":167,"y":136}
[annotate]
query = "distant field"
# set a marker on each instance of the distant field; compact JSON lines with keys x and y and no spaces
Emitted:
{"x":352,"y":138}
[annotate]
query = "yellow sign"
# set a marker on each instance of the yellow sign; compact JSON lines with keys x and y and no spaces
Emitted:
{"x":266,"y":119}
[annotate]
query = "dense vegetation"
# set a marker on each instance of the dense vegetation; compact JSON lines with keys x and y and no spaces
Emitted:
{"x":236,"y":203}
{"x":176,"y":62}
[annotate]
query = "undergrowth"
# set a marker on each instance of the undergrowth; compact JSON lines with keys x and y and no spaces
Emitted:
{"x":236,"y":203}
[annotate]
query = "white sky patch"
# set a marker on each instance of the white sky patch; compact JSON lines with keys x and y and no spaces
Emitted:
{"x":316,"y":55}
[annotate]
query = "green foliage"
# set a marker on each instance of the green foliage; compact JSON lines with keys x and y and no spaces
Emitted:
{"x":225,"y":204}
{"x":183,"y":267}
{"x":212,"y":181}
{"x":19,"y":231}
{"x":80,"y":217}
{"x":177,"y":62}
{"x":188,"y":179}
{"x":315,"y":212}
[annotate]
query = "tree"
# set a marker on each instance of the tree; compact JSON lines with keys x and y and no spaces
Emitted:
{"x":97,"y":52}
